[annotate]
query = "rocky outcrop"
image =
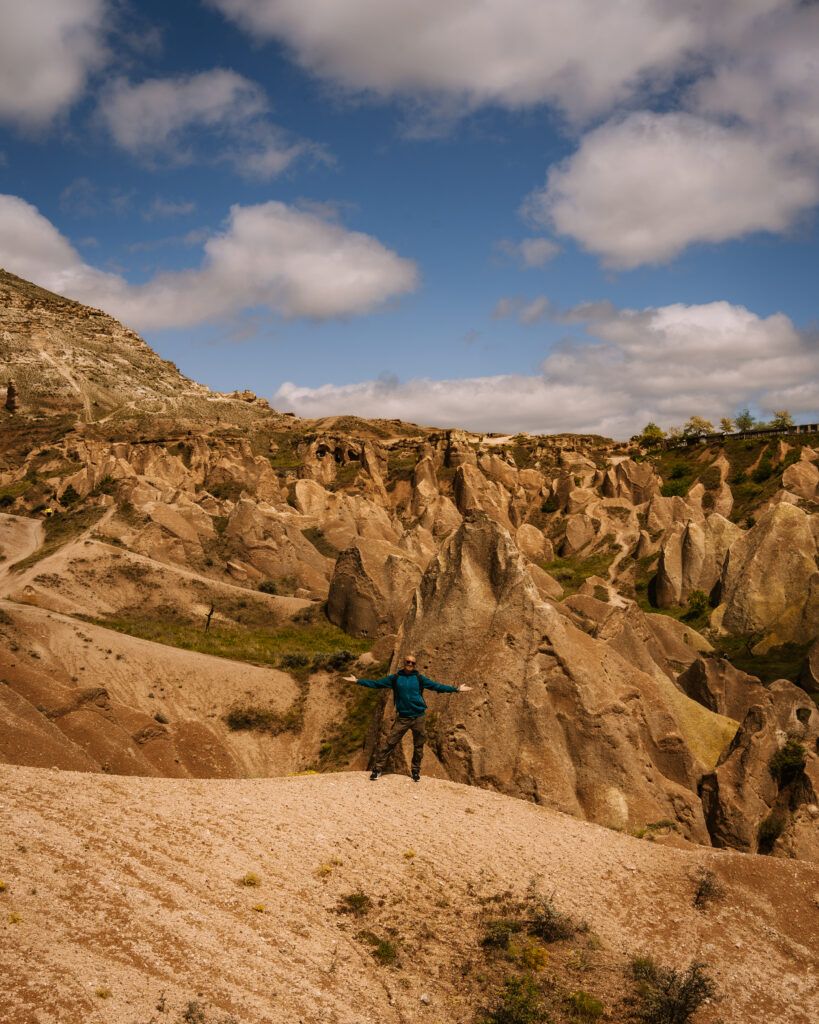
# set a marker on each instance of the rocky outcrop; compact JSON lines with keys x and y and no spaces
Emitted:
{"x":635,"y":481}
{"x":802,"y":478}
{"x":371,"y":587}
{"x":770,"y":582}
{"x":752,"y":804}
{"x":717,"y":685}
{"x":10,"y":404}
{"x":474,"y":493}
{"x":555,"y":716}
{"x":692,"y":557}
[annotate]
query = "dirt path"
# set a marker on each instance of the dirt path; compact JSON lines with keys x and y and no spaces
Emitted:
{"x":19,"y":538}
{"x":120,"y":889}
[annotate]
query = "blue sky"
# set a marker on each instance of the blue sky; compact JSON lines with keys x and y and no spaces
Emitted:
{"x":516,"y":215}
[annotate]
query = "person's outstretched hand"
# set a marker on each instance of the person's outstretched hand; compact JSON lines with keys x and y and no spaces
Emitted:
{"x":350,"y":679}
{"x":463,"y":689}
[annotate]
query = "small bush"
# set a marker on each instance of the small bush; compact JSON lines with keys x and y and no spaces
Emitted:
{"x":251,"y":880}
{"x":102,"y":992}
{"x":528,"y":953}
{"x":268,"y":587}
{"x":708,"y":889}
{"x":499,"y":930}
{"x":668,"y":996}
{"x":519,"y":1002}
{"x":584,"y":1007}
{"x":549,"y":924}
{"x":384,"y":951}
{"x":194,"y":1013}
{"x":244,"y":717}
{"x":788,"y":763}
{"x":69,"y":497}
{"x":356,"y":903}
{"x":697,"y":605}
{"x":770,"y":829}
{"x":291,"y":661}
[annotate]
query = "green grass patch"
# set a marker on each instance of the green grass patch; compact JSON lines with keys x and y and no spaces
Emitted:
{"x":345,"y":476}
{"x":572,"y":572}
{"x":316,"y":537}
{"x":9,"y":493}
{"x":274,"y":646}
{"x":59,"y":530}
{"x":783,"y":662}
{"x":348,"y":735}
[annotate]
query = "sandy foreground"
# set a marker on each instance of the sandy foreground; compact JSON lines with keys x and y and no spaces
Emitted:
{"x":122,"y":902}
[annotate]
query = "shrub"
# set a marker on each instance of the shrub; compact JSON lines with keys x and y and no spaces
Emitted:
{"x":788,"y":763}
{"x":519,"y":1002}
{"x":764,"y":471}
{"x":244,"y":717}
{"x":250,"y":880}
{"x":194,"y":1013}
{"x":290,"y":661}
{"x":357,"y":903}
{"x":384,"y":951}
{"x":268,"y":587}
{"x":770,"y":829}
{"x":668,"y":996}
{"x":707,"y":890}
{"x":549,"y":924}
{"x":584,"y":1007}
{"x":69,"y":497}
{"x":499,"y":930}
{"x":697,"y":605}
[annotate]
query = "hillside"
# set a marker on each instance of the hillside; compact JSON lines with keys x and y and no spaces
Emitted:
{"x":368,"y":903}
{"x":646,"y":590}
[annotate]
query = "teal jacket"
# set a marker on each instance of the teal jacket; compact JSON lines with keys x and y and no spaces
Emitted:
{"x":407,"y":690}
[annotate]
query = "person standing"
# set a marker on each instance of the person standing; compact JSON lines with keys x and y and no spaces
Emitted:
{"x":408,"y":687}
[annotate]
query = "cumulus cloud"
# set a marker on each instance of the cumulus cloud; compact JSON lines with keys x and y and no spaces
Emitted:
{"x":581,"y":55}
{"x":47,"y":51}
{"x":527,"y":312}
{"x":641,"y":189}
{"x":739,"y":156}
{"x":174,"y":118}
{"x":632,"y":366}
{"x":287,"y":261}
{"x":530,"y":252}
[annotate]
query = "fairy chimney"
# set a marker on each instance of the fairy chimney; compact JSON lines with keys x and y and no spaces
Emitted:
{"x":11,"y":397}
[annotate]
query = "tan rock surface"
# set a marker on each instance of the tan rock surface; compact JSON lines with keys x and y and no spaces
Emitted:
{"x":551,"y":693}
{"x":144,"y":903}
{"x":770,"y":582}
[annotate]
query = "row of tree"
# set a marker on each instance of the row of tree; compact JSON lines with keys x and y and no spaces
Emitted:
{"x":696,"y":426}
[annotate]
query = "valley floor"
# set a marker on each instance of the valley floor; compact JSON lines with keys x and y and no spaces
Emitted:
{"x":121,"y":903}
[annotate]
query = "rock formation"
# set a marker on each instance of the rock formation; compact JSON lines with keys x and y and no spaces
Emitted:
{"x":590,"y":734}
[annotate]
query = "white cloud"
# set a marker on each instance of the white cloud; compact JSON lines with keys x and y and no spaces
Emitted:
{"x":288,"y":261}
{"x":160,"y":208}
{"x":662,"y":364}
{"x":530,"y":252}
{"x":581,"y":55}
{"x":527,"y":313}
{"x":48,"y":48}
{"x":175,"y":119}
{"x":640,"y":190}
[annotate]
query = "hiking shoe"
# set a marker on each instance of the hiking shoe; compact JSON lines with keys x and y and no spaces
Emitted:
{"x":375,"y":774}
{"x":416,"y":775}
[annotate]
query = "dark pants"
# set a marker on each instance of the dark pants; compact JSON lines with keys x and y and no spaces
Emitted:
{"x":399,"y":728}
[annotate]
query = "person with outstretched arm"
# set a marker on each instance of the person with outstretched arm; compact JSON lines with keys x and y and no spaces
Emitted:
{"x":408,"y":687}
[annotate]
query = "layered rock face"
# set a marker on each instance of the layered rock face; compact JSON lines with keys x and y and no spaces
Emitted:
{"x":528,"y":566}
{"x":770,"y":580}
{"x":555,"y":715}
{"x":753,"y":800}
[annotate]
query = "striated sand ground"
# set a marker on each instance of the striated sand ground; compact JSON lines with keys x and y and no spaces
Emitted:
{"x":121,"y":902}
